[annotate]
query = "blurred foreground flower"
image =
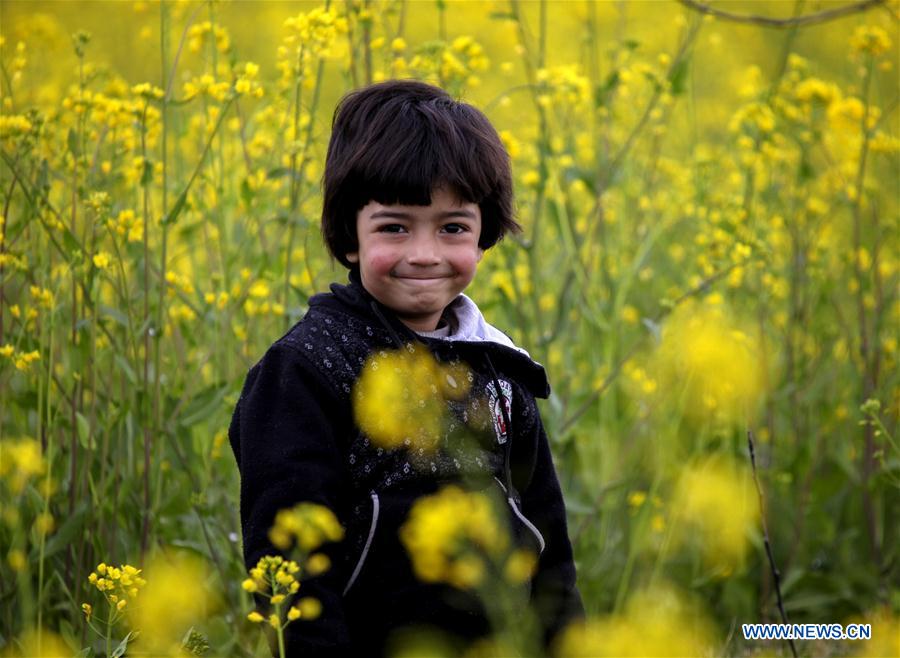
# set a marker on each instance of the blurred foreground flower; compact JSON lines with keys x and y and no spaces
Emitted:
{"x":717,"y":511}
{"x":885,"y":639}
{"x":34,"y":644}
{"x":449,"y":534}
{"x":656,"y":622}
{"x":709,"y":364}
{"x":307,"y":524}
{"x":22,"y":460}
{"x":399,"y":398}
{"x":168,"y":609}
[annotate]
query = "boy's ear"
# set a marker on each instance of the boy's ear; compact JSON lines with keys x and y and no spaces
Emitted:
{"x":480,"y":254}
{"x":352,"y":257}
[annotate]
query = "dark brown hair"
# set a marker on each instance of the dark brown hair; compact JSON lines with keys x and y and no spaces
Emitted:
{"x":395,"y":142}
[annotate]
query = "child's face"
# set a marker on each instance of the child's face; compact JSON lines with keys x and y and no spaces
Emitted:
{"x":416,"y":259}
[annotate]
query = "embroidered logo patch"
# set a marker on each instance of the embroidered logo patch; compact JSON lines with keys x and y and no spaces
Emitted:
{"x":499,"y":421}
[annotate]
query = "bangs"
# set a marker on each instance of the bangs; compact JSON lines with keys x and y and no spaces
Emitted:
{"x":411,"y":153}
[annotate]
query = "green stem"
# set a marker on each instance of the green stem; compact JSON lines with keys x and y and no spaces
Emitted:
{"x":48,"y":459}
{"x":148,"y":334}
{"x":280,"y":631}
{"x":109,"y":626}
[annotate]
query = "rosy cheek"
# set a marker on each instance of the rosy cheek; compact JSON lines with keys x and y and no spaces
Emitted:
{"x":381,"y":262}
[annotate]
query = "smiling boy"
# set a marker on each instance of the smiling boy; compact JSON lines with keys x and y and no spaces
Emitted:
{"x":416,"y":187}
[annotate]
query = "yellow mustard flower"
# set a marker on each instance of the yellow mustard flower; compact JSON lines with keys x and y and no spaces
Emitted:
{"x":307,"y":524}
{"x":716,"y":510}
{"x":655,"y":622}
{"x":710,"y":363}
{"x":870,"y":39}
{"x":445,"y":532}
{"x":399,"y":399}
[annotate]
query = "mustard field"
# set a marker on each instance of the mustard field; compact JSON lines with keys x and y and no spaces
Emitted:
{"x":709,"y":264}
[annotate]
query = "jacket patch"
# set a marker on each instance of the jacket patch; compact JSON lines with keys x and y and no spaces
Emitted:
{"x":500,"y":428}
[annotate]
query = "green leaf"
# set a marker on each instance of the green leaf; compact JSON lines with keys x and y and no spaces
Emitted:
{"x":123,"y":645}
{"x":72,"y":141}
{"x":122,"y":362}
{"x":177,"y":208}
{"x":601,"y":90}
{"x":115,"y":314}
{"x":147,"y":174}
{"x":281,"y":172}
{"x":204,"y":405}
{"x":678,"y":76}
{"x":246,"y":193}
{"x":84,"y":430}
{"x":67,"y":532}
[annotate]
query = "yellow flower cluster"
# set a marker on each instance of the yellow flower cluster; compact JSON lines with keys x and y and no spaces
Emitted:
{"x":273,"y":573}
{"x":253,"y":308}
{"x":21,"y":360}
{"x":754,"y":119}
{"x":147,"y":90}
{"x":656,"y":622}
{"x":448,"y":535}
{"x":117,"y":584}
{"x":310,"y":36}
{"x":101,"y":260}
{"x":307,"y":525}
{"x":399,"y":398}
{"x":453,"y":65}
{"x":260,"y":290}
{"x":565,"y":86}
{"x":41,"y":296}
{"x":113,"y":111}
{"x":13,"y":125}
{"x":247,"y":83}
{"x":127,"y":224}
{"x":206,"y":85}
{"x":715,"y":502}
{"x":221,"y":300}
{"x":22,"y":460}
{"x":276,"y":578}
{"x":707,"y":361}
{"x":200,"y":34}
{"x":814,"y":90}
{"x":178,"y":281}
{"x":870,"y":39}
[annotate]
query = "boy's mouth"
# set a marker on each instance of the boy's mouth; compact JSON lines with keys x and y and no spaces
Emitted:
{"x":421,"y":277}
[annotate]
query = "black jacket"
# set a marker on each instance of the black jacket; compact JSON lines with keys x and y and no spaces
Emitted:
{"x":294,"y":439}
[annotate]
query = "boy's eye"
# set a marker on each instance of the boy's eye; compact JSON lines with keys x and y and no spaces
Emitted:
{"x":391,"y":228}
{"x":454,"y":228}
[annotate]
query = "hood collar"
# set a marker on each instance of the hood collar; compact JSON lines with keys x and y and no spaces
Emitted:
{"x":472,"y":331}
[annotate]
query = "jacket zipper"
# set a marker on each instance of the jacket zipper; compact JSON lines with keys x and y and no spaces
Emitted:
{"x":376,"y":505}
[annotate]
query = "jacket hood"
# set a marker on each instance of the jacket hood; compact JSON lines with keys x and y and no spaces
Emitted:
{"x":473,"y":336}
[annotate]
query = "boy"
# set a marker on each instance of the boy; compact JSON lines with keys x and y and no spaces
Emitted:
{"x":416,"y":187}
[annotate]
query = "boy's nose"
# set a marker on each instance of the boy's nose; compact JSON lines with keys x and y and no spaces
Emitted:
{"x":423,"y":251}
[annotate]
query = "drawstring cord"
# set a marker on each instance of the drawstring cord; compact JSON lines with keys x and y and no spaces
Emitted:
{"x":387,"y":325}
